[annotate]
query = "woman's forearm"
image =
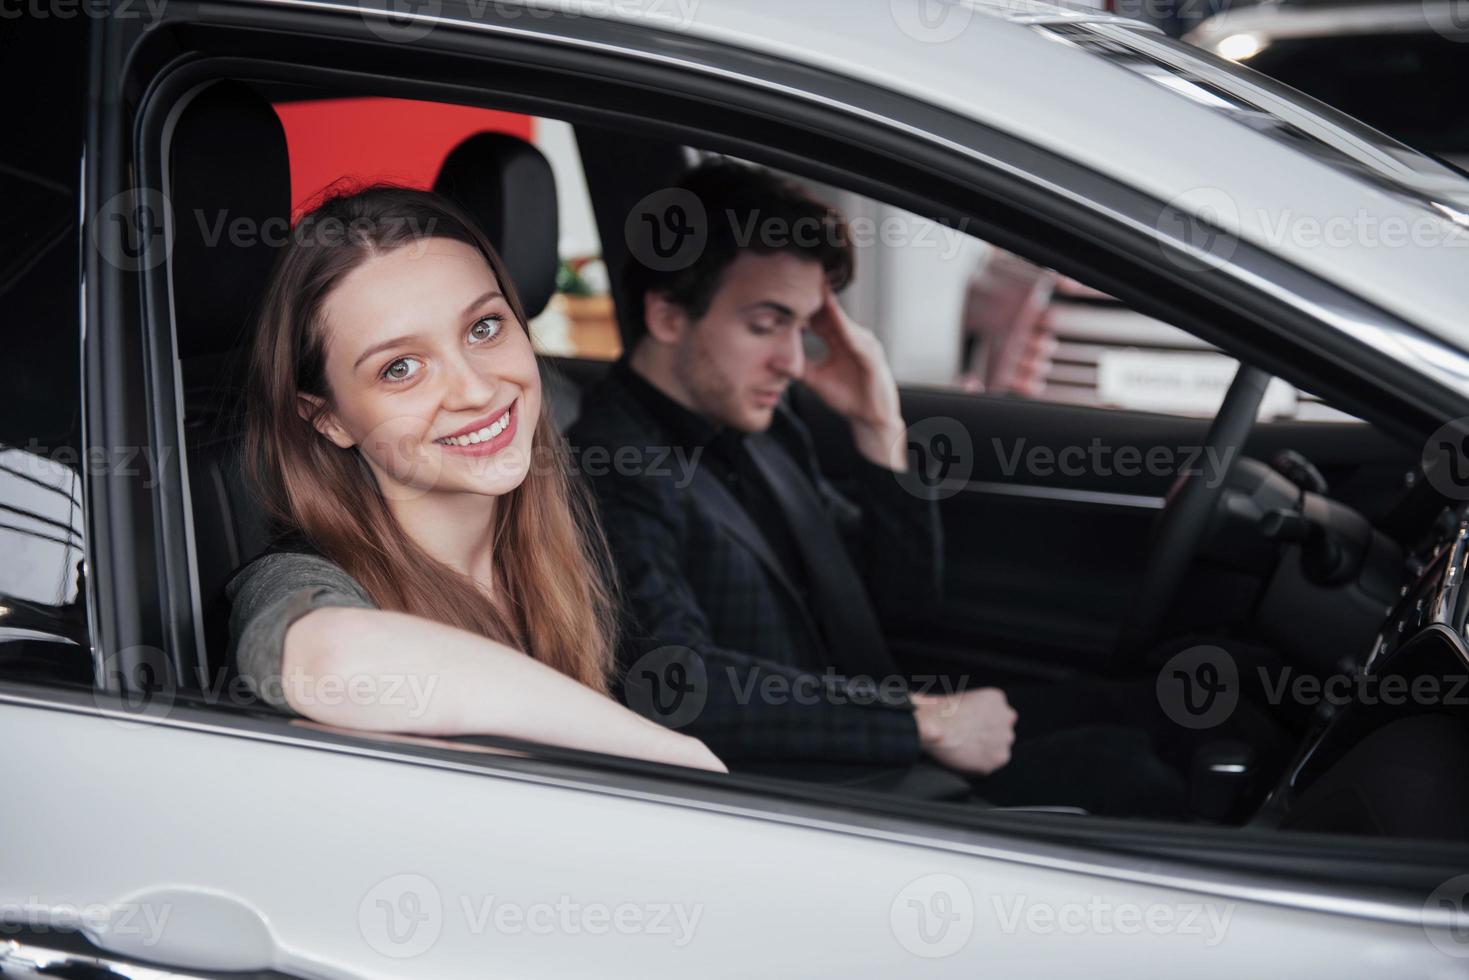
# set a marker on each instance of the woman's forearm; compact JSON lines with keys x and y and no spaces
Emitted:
{"x":385,"y":671}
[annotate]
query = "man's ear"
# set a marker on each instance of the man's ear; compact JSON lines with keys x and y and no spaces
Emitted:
{"x":326,"y":423}
{"x":666,"y":320}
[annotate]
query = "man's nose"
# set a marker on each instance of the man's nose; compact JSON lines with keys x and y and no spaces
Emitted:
{"x":790,"y":358}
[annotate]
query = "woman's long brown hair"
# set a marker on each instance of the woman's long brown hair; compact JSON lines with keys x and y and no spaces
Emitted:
{"x":550,"y":556}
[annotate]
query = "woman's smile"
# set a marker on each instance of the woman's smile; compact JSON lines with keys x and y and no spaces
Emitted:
{"x":486,"y":438}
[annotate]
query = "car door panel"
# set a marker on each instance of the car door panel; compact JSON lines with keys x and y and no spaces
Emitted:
{"x":1047,"y":509}
{"x":358,"y":860}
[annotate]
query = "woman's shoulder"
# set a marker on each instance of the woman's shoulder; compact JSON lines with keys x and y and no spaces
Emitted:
{"x":288,"y":564}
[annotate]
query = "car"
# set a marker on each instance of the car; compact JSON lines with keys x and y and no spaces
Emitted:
{"x":160,"y":823}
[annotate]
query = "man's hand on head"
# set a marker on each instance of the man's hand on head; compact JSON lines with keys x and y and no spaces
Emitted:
{"x":971,"y":732}
{"x":855,"y":381}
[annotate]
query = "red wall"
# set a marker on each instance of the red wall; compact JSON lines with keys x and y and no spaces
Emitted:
{"x":397,"y":140}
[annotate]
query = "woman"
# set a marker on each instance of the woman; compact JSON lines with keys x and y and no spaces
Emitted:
{"x":398,"y":437}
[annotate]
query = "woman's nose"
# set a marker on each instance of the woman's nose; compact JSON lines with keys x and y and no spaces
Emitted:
{"x":468,"y":386}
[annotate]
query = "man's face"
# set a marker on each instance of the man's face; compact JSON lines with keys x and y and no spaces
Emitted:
{"x":734,"y":363}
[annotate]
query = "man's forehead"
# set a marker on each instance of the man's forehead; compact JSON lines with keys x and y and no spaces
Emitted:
{"x":784,"y":279}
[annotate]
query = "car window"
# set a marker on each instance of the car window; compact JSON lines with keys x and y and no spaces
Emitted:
{"x":43,"y":624}
{"x":956,"y":312}
{"x":406,"y":141}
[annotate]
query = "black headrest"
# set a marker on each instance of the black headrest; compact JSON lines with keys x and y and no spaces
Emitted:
{"x":228,"y":162}
{"x":508,"y":187}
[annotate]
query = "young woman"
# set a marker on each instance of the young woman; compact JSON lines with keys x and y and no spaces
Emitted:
{"x":437,"y":570}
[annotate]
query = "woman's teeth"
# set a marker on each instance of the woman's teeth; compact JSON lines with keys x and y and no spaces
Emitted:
{"x":483,"y":435}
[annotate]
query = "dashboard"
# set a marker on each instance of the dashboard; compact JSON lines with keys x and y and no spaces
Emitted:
{"x":1374,"y":762}
{"x":1434,"y":593}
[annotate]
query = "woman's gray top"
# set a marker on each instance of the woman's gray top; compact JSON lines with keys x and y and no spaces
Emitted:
{"x":266,"y":597}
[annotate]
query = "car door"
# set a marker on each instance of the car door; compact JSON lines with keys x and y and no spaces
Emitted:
{"x":248,"y":847}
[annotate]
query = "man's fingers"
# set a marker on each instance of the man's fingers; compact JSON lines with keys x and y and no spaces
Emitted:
{"x":831,"y":323}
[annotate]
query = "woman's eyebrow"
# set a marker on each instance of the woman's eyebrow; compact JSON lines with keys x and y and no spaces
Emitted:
{"x":377,"y":348}
{"x":492,"y":294}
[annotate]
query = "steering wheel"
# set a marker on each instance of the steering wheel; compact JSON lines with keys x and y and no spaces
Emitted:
{"x":1179,"y":530}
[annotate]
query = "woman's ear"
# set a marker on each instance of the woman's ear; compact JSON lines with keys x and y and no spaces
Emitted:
{"x":310,"y":408}
{"x":666,"y":320}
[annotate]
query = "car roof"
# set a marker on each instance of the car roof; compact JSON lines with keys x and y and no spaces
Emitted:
{"x":1116,"y":95}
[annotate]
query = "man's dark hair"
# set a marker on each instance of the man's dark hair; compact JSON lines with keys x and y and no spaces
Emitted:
{"x":744,"y":208}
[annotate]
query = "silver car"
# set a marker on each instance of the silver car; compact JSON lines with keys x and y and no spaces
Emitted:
{"x":159,"y":824}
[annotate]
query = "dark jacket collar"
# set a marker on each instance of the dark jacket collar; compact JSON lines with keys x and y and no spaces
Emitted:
{"x":683,"y":426}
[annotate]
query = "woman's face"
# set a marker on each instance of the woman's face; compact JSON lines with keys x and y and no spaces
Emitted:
{"x":430,"y":373}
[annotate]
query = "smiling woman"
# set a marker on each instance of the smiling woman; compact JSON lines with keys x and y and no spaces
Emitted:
{"x":397,"y":434}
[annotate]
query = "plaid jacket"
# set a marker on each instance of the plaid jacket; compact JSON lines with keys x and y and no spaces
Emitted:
{"x":716,"y":641}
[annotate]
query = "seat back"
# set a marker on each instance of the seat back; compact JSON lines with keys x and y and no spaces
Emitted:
{"x":227,"y":162}
{"x":508,"y":187}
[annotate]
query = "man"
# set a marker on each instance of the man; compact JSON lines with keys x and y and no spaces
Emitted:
{"x":753,"y":588}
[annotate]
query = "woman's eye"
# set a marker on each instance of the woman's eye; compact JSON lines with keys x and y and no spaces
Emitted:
{"x":486,"y":328}
{"x":402,"y":369}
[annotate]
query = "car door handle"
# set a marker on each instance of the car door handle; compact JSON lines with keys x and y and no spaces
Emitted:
{"x":185,"y":928}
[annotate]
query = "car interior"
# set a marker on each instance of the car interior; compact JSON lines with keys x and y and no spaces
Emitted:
{"x":1295,"y":559}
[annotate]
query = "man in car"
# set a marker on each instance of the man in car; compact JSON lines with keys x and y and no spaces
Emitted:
{"x":753,"y":589}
